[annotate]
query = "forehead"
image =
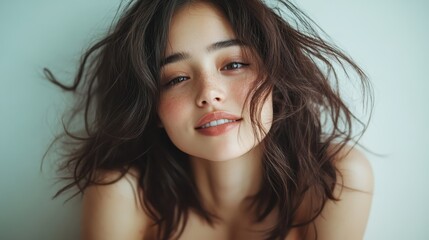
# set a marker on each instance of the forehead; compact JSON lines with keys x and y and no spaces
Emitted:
{"x":197,"y":25}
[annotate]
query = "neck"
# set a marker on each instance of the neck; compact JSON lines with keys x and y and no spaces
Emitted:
{"x":225,"y":185}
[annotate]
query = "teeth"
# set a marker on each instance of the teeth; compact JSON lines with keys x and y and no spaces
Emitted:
{"x":217,"y":122}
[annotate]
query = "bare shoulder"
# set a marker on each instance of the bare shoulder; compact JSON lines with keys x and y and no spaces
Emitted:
{"x":113,"y":211}
{"x":347,"y":218}
{"x":355,"y":170}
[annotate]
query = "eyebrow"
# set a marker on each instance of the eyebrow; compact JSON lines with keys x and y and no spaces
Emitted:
{"x":180,"y":56}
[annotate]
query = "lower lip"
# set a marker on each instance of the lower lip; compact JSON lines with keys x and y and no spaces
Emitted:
{"x":219,"y":129}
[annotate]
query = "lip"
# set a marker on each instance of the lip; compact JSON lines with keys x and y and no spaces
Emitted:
{"x":213,"y":116}
{"x":219,"y":129}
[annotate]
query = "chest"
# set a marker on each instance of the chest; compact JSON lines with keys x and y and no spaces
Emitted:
{"x":244,"y":229}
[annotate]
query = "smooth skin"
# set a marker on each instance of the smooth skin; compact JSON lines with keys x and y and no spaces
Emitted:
{"x":112,"y":212}
{"x":211,"y":80}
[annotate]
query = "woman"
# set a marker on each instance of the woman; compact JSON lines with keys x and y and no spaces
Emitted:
{"x":215,"y":120}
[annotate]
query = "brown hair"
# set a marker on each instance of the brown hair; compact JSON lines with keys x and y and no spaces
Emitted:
{"x":119,"y":76}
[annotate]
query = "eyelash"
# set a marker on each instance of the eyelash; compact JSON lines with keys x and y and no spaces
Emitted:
{"x":229,"y":67}
{"x":176,"y":80}
{"x":235,"y":63}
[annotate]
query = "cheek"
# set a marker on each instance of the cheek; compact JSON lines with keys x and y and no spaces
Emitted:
{"x":267,"y":112}
{"x":171,"y":109}
{"x":240,"y":91}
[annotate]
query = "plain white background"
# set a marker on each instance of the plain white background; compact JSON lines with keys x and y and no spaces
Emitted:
{"x":389,"y":39}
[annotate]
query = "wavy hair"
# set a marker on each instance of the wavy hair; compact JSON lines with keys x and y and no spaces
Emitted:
{"x":117,"y":85}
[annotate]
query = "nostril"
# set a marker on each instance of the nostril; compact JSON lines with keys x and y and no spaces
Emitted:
{"x":208,"y":101}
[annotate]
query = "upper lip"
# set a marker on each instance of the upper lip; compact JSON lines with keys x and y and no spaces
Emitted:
{"x":212,"y":116}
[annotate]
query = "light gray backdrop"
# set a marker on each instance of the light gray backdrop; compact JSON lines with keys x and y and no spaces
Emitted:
{"x":389,"y":39}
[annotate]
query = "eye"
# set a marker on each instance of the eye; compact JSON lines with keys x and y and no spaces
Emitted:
{"x":176,"y":80}
{"x":234,"y":65}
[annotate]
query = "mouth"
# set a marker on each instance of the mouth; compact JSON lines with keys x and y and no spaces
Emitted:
{"x":217,"y":123}
{"x":217,"y":119}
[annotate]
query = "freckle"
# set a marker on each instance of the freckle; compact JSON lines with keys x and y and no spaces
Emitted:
{"x":173,"y":104}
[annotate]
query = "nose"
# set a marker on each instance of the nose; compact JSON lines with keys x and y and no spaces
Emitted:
{"x":210,"y":92}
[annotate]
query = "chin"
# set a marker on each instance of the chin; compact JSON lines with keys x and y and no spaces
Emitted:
{"x":223,"y":154}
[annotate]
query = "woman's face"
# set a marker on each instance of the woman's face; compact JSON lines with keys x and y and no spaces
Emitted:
{"x":205,"y":80}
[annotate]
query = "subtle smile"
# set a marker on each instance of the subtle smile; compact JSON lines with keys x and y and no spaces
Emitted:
{"x":217,"y":122}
